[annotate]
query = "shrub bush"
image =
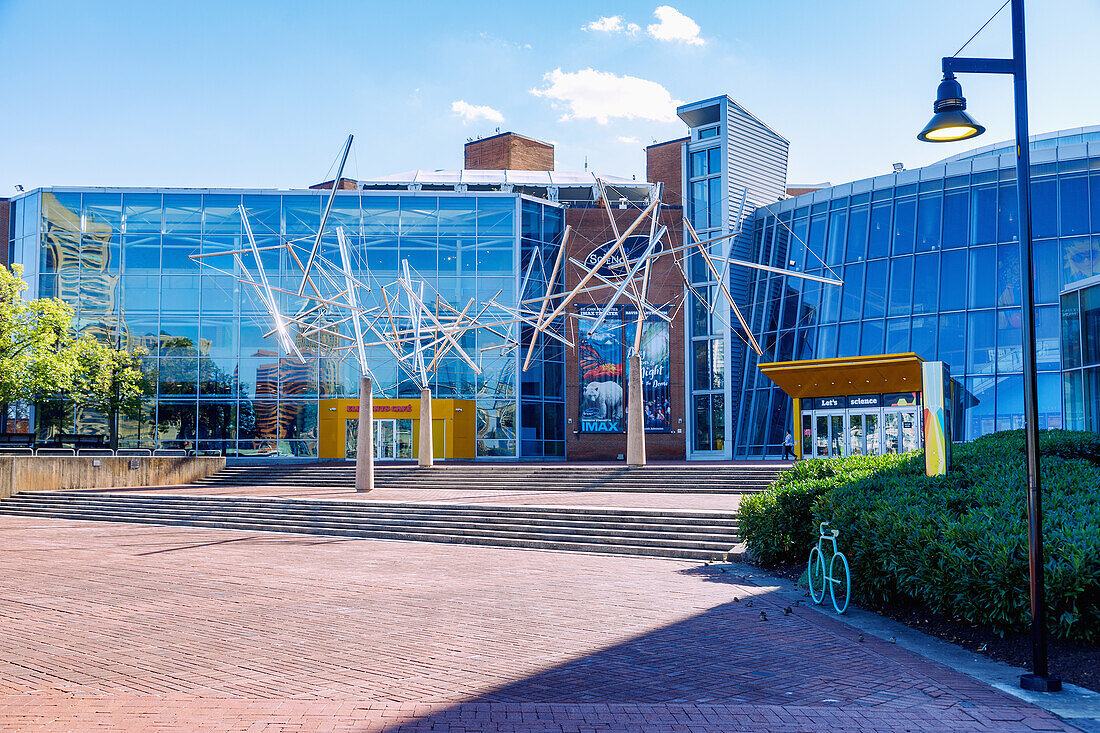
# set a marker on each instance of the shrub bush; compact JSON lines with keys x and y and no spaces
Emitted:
{"x":956,"y":544}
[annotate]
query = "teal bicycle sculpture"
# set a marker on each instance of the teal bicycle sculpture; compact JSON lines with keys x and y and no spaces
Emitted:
{"x":838,"y":580}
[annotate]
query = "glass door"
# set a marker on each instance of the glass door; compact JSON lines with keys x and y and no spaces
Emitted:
{"x":871,"y":433}
{"x":830,"y":440}
{"x":385,"y":440}
{"x":837,"y":437}
{"x":855,"y":434}
{"x":910,"y":430}
{"x":821,"y":436}
{"x":891,"y":422}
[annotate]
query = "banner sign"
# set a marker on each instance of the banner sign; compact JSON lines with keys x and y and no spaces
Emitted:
{"x":635,"y":246}
{"x":653,"y":348}
{"x":935,"y":376}
{"x":602,"y":365}
{"x":902,"y":399}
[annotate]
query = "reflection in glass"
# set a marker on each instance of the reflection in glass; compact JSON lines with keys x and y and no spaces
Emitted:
{"x":870,"y":422}
{"x":901,"y":278}
{"x":891,"y":422}
{"x":836,"y":435}
{"x":855,"y":435}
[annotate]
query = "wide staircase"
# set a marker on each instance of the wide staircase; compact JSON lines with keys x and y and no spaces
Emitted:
{"x":698,"y":535}
{"x":668,"y":478}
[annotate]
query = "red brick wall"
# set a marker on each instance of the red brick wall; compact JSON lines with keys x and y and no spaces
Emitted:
{"x":663,"y":165}
{"x":799,"y":190}
{"x":5,"y":209}
{"x":509,"y":151}
{"x":592,"y":229}
{"x":346,"y":184}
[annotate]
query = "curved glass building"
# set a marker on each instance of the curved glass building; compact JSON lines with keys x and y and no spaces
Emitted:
{"x":930,"y":264}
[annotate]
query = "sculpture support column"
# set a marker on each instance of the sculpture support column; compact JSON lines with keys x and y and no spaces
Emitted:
{"x":426,"y":457}
{"x":364,"y":443}
{"x":635,"y":422}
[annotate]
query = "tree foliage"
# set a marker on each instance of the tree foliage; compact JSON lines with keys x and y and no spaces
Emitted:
{"x":40,"y":355}
{"x":956,"y":545}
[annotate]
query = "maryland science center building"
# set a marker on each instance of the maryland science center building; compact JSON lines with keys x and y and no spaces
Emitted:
{"x":929,"y":260}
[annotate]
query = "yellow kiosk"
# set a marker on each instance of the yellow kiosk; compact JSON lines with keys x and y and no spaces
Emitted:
{"x":868,"y":405}
{"x":397,"y":429}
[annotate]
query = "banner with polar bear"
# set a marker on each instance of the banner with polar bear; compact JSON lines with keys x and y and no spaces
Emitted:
{"x":602,"y":364}
{"x":600,"y":358}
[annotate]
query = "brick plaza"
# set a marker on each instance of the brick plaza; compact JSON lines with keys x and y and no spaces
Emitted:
{"x":109,"y":627}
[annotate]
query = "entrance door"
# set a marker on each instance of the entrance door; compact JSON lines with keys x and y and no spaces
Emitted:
{"x":910,"y":430}
{"x":856,"y":434}
{"x":863,"y":433}
{"x":873,"y":437}
{"x":829,"y":437}
{"x":385,"y":440}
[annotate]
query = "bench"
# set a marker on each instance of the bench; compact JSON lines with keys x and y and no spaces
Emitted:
{"x":17,"y":440}
{"x":78,"y":440}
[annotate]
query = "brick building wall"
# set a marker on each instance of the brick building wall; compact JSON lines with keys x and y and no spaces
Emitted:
{"x":663,"y":164}
{"x":509,"y":151}
{"x":591,"y":229}
{"x":346,"y":184}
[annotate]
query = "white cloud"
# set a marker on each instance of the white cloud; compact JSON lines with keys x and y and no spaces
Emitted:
{"x":612,"y":24}
{"x":470,"y":112}
{"x":601,"y":96}
{"x":628,"y":140}
{"x":674,"y":26}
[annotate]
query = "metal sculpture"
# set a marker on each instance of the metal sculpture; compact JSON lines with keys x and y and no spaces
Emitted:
{"x":630,"y":284}
{"x":341,"y":304}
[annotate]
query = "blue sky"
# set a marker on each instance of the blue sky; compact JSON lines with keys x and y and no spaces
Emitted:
{"x":262,"y":94}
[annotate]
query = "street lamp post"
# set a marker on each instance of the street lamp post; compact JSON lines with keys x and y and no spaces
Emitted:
{"x":951,"y":123}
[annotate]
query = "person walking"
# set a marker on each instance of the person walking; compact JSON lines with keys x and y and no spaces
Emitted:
{"x":788,"y":447}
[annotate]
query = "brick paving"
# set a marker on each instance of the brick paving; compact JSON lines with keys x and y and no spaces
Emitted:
{"x":113,"y":627}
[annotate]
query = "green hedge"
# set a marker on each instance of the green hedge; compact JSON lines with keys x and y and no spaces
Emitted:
{"x":956,"y":544}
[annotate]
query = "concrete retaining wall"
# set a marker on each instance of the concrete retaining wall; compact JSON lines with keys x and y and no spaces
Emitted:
{"x":53,"y":473}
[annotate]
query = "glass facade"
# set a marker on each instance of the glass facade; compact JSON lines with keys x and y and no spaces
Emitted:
{"x":707,"y":345}
{"x":930,"y":263}
{"x":121,"y":257}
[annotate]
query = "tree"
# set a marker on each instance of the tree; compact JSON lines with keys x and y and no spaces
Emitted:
{"x":111,"y":381}
{"x":40,"y":356}
{"x":35,"y":342}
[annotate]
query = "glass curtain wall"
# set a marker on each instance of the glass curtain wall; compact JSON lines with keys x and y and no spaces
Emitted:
{"x":707,"y":344}
{"x":220,"y":380}
{"x":929,"y":266}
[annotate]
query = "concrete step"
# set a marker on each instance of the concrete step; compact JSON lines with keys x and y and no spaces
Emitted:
{"x":698,"y":531}
{"x":388,"y":532}
{"x":404,"y":507}
{"x":662,"y":533}
{"x":505,"y":477}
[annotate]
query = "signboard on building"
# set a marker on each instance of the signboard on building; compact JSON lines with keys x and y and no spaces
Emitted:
{"x":634,"y":245}
{"x":653,"y":348}
{"x":602,"y":365}
{"x":600,"y":359}
{"x":901,"y":399}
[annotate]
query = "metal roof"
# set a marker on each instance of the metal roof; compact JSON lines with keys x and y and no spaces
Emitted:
{"x":847,"y":376}
{"x":552,"y":185}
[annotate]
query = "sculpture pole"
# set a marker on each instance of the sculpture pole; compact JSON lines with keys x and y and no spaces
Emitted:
{"x":426,"y":458}
{"x":635,"y":422}
{"x":364,"y":444}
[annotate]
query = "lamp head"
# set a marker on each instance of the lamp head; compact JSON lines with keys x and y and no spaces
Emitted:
{"x":950,"y":122}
